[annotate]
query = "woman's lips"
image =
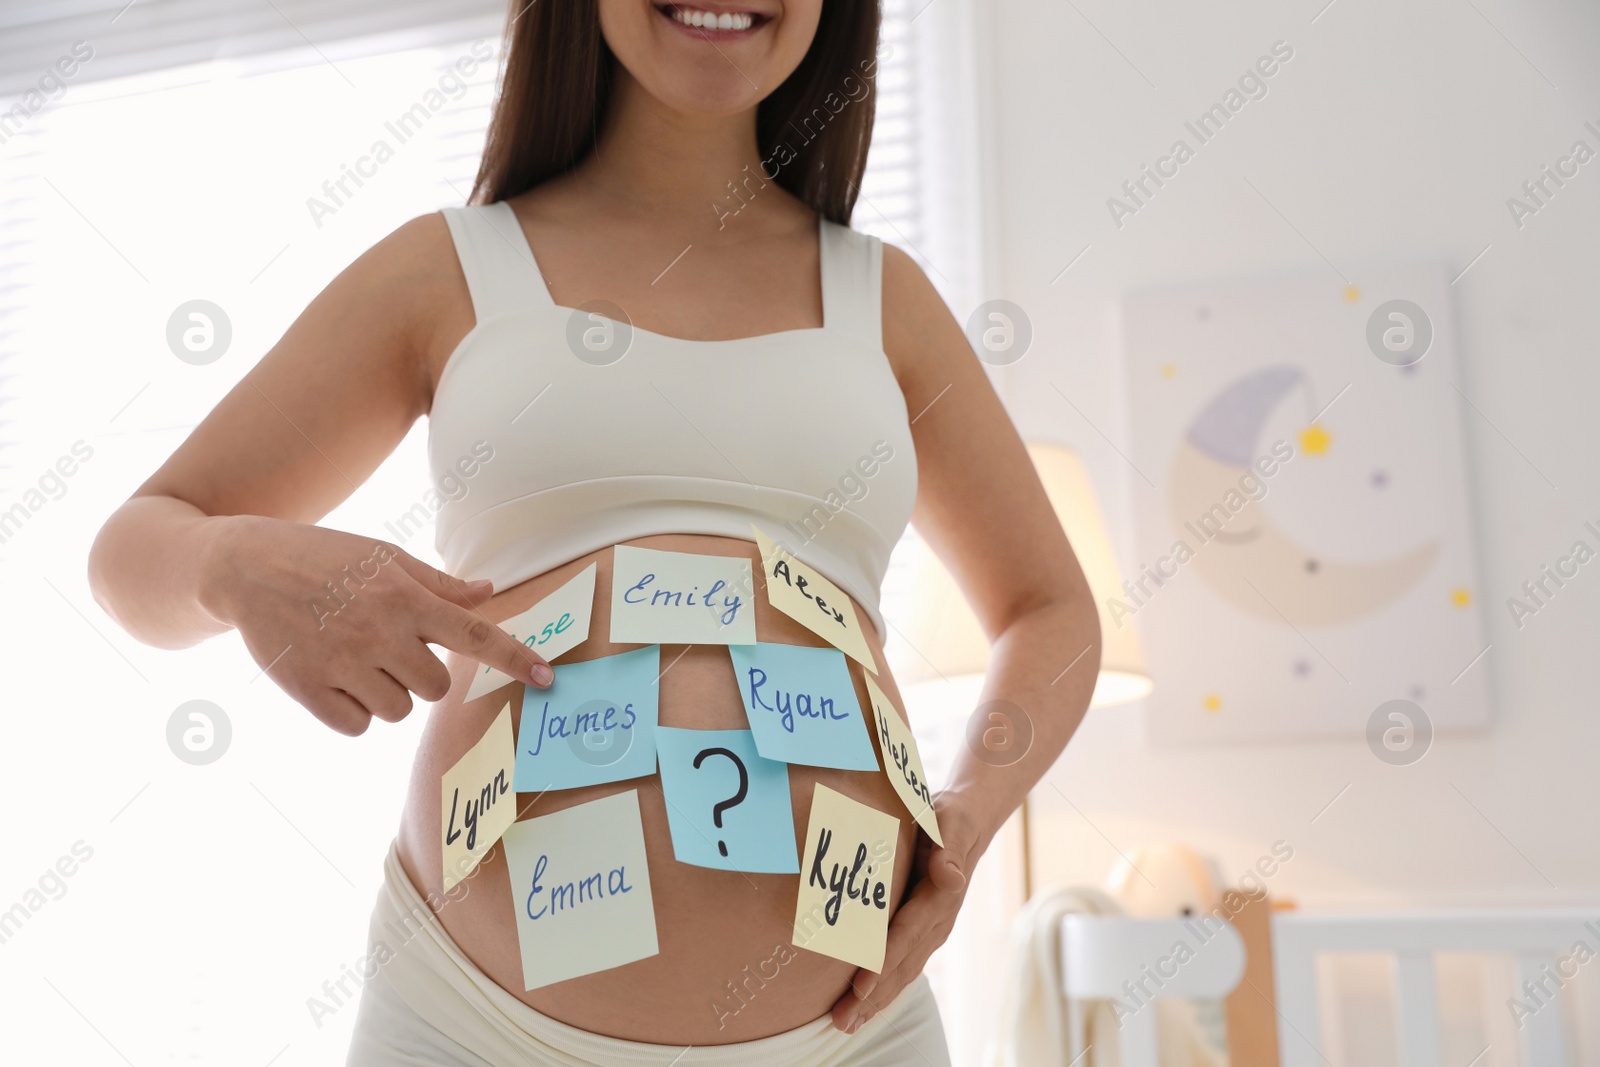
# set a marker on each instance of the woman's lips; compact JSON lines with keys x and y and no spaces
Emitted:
{"x":705,"y":24}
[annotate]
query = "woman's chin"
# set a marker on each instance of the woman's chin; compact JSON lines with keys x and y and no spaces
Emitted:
{"x":708,"y":95}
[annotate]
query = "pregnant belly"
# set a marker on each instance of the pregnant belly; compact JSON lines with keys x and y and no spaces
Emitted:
{"x":727,"y":969}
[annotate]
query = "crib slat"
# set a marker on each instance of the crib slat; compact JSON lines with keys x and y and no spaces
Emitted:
{"x":1542,"y":1034}
{"x":1075,"y":1024}
{"x":1294,"y":963}
{"x":1138,"y":1039}
{"x":1419,"y":1010}
{"x":1534,"y":938}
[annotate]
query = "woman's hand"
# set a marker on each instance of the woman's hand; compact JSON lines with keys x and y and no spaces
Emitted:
{"x":937,"y":887}
{"x":342,"y":622}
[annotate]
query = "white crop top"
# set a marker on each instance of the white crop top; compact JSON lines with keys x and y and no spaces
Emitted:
{"x":802,"y":432}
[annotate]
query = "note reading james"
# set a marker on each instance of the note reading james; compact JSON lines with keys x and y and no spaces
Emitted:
{"x":596,"y":723}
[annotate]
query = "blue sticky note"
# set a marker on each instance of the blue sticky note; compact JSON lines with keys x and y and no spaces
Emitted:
{"x":802,"y":705}
{"x":727,"y":808}
{"x":596,"y":723}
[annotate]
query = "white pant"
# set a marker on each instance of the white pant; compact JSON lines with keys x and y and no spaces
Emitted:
{"x":430,"y":1006}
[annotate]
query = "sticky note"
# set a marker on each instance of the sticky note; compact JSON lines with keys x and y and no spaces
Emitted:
{"x":802,"y":705}
{"x":846,"y":876}
{"x":727,"y":808}
{"x":813,"y":601}
{"x":558,"y":623}
{"x":902,"y":762}
{"x":477,"y":802}
{"x":680,"y":598}
{"x":581,"y":889}
{"x":596,"y":723}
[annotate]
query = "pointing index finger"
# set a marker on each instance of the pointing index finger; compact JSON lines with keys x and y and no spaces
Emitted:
{"x":469,"y":633}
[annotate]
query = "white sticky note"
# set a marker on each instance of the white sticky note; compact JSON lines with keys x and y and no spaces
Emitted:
{"x":804,"y":595}
{"x":476,"y":799}
{"x":902,"y":762}
{"x":558,"y":623}
{"x":680,"y":598}
{"x":581,"y":890}
{"x":846,"y":876}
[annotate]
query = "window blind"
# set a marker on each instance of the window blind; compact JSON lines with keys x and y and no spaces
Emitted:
{"x":892,"y":208}
{"x":131,"y":38}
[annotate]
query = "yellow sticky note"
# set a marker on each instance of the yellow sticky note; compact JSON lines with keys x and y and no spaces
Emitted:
{"x":477,"y":801}
{"x":813,"y":601}
{"x":847,"y":874}
{"x":902,"y":762}
{"x":558,"y":623}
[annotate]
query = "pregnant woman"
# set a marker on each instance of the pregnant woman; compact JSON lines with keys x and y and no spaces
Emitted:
{"x":652,"y":327}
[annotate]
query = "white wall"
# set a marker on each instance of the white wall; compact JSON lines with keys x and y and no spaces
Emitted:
{"x":1394,"y":135}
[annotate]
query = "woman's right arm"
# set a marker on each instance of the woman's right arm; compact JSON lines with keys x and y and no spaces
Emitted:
{"x":222,"y":536}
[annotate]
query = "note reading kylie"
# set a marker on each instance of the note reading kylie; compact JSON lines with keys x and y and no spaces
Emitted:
{"x":846,"y":876}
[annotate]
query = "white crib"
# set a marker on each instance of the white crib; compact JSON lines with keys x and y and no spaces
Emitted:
{"x":1102,"y":956}
{"x":1099,"y":954}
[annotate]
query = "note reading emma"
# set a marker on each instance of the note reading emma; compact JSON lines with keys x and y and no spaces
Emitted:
{"x":581,"y":890}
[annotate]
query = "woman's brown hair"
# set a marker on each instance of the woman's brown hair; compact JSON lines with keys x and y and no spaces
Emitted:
{"x":813,"y":130}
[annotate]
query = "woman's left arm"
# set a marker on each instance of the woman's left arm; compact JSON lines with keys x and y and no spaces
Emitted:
{"x":981,"y":508}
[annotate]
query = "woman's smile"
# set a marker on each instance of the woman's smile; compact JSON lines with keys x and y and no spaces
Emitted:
{"x":714,"y":23}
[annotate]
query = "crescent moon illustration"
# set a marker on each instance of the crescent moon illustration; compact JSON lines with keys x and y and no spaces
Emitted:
{"x":1237,"y":550}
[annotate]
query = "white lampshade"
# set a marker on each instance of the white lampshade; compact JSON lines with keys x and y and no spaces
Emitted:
{"x":942,"y":642}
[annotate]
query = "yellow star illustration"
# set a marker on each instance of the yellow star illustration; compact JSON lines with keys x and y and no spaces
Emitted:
{"x":1168,"y":370}
{"x":1213,"y":703}
{"x":1314,"y":440}
{"x":1461,"y":597}
{"x":1352,"y":293}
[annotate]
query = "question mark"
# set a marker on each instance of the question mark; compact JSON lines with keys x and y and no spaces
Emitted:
{"x":737,"y":798}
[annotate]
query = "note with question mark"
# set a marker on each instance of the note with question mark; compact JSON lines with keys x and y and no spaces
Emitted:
{"x":727,"y":807}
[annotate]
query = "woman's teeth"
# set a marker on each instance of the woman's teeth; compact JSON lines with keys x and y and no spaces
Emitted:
{"x":705,"y":20}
